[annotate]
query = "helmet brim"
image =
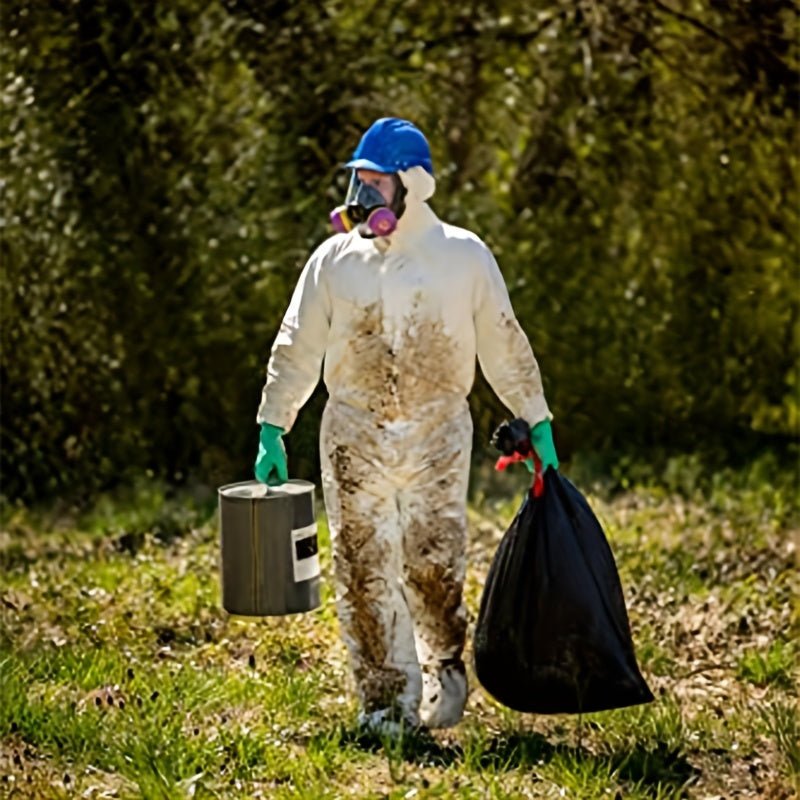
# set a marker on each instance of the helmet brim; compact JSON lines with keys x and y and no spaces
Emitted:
{"x":365,"y":163}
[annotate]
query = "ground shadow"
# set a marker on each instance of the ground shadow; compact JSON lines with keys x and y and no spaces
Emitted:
{"x":645,"y":764}
{"x":655,"y":765}
{"x":416,"y":745}
{"x":651,"y":764}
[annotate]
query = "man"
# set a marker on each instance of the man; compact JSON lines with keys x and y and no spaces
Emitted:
{"x":398,"y":306}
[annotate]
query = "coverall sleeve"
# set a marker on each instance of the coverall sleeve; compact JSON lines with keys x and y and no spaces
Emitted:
{"x":294,"y":366}
{"x":504,"y":352}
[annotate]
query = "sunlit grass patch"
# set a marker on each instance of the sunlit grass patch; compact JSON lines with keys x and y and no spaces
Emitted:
{"x":157,"y":723}
{"x":777,"y":665}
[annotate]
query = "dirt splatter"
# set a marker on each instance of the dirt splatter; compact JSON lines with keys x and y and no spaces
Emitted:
{"x":359,"y":565}
{"x":394,"y":369}
{"x":433,"y":576}
{"x":347,"y":478}
{"x":438,"y":607}
{"x":434,"y":545}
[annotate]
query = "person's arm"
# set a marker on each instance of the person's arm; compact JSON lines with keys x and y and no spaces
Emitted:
{"x":504,"y":353}
{"x":299,"y":348}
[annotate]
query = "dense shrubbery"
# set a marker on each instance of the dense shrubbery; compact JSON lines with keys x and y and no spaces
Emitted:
{"x":170,"y":165}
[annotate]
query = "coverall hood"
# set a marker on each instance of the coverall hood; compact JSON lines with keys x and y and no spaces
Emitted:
{"x":420,"y":184}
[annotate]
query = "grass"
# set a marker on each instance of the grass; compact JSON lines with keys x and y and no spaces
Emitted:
{"x":775,"y":666}
{"x":120,"y":675}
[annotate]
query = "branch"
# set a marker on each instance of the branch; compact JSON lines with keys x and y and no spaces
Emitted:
{"x":696,"y":23}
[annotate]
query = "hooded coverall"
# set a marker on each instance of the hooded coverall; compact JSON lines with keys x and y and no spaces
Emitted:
{"x":398,"y":321}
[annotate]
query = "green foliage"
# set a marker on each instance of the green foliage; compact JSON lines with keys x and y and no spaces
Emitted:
{"x":633,"y":167}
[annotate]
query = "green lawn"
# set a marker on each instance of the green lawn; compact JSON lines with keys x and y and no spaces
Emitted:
{"x":121,"y":676}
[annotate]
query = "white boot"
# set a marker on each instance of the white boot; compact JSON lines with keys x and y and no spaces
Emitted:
{"x":444,"y":695}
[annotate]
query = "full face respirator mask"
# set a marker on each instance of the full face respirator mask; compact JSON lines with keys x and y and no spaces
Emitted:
{"x":366,"y":209}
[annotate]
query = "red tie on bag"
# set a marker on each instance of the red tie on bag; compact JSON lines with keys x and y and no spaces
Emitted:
{"x":537,"y":488}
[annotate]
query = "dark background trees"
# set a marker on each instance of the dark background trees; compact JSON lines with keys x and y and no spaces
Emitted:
{"x":169,"y":166}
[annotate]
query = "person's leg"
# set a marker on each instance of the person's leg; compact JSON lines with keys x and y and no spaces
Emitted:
{"x":434,"y":521}
{"x":363,"y":516}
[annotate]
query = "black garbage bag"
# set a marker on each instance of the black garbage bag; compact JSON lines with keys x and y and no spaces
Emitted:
{"x":552,"y":635}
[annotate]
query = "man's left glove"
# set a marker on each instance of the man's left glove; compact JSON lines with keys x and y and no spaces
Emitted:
{"x":542,"y":441}
{"x":270,"y":466}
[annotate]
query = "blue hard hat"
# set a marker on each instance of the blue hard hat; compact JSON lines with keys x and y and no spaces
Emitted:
{"x":390,"y":145}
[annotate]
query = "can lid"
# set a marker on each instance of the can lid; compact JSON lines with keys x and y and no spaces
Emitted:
{"x":254,"y":490}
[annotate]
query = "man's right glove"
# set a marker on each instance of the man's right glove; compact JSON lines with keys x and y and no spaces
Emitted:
{"x":270,"y":464}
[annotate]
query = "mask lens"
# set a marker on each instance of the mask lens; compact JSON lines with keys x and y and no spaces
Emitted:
{"x":352,"y":189}
{"x":363,"y":195}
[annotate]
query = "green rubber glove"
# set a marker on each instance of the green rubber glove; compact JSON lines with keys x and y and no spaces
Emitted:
{"x":542,"y":441}
{"x":270,"y":464}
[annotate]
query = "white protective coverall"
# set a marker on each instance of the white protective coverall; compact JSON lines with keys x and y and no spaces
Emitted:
{"x":399,"y":321}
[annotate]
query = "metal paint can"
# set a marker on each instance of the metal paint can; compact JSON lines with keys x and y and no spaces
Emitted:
{"x":270,"y":559}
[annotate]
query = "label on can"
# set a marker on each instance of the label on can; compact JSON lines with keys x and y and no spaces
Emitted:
{"x":305,"y":553}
